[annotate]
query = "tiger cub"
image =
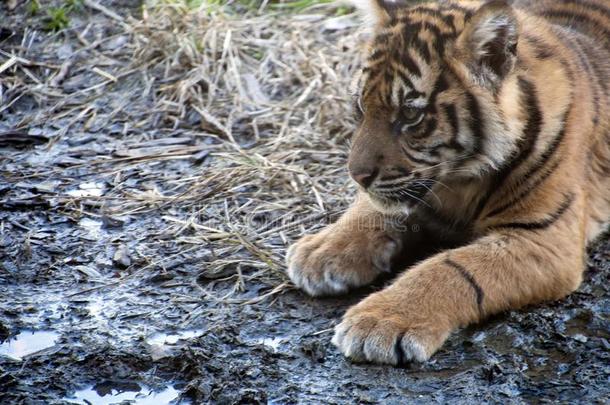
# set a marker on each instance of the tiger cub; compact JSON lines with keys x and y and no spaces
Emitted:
{"x":483,"y":132}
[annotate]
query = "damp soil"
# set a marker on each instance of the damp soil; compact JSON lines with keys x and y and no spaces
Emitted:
{"x":86,"y":318}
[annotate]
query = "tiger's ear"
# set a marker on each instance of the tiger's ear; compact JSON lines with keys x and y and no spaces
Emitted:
{"x":488,"y":44}
{"x":377,"y":12}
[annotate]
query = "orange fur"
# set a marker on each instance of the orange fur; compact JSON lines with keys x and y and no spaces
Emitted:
{"x":486,"y":125}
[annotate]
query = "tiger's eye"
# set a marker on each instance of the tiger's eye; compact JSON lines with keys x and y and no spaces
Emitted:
{"x":411,"y":115}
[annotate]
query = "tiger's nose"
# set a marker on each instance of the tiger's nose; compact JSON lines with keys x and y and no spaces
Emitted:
{"x":364,"y":177}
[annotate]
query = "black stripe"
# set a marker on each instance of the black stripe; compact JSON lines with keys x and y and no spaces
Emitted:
{"x":585,"y":20}
{"x":596,"y":74}
{"x":468,"y":13}
{"x":475,"y":121}
{"x":418,"y":160}
{"x":533,"y":226}
{"x":524,"y":193}
{"x":410,"y":29}
{"x":540,"y":163}
{"x":449,"y":19}
{"x":591,"y":6}
{"x":451,"y":116}
{"x":431,"y":150}
{"x":382,"y":39}
{"x":389,"y":78}
{"x":355,"y":109}
{"x":411,"y":32}
{"x":386,"y":179}
{"x":595,"y":78}
{"x":371,"y":83}
{"x":422,"y":48}
{"x":441,"y":85}
{"x":403,"y":58}
{"x":525,"y":146}
{"x":599,"y":67}
{"x":402,"y":174}
{"x":401,"y":95}
{"x":387,"y":75}
{"x":439,"y":39}
{"x":455,"y":128}
{"x":408,"y":82}
{"x":551,"y":148}
{"x":376,"y":55}
{"x":468,"y":277}
{"x":446,"y":19}
{"x":541,"y":49}
{"x":575,"y":48}
{"x":413,"y":94}
{"x":532,"y":127}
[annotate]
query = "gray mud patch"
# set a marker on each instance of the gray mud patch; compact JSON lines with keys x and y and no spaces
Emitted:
{"x":280,"y":352}
{"x":113,"y":289}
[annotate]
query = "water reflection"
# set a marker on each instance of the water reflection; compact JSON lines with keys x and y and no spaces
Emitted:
{"x":164,"y":339}
{"x":115,"y":392}
{"x":28,"y":342}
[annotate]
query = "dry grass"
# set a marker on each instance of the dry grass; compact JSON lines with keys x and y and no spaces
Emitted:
{"x":235,"y":128}
{"x":273,"y":88}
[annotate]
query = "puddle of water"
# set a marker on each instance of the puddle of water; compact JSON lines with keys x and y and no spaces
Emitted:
{"x":272,"y":343}
{"x":28,"y":342}
{"x":160,"y":344}
{"x":87,"y":190}
{"x":108,"y":393}
{"x":164,"y":339}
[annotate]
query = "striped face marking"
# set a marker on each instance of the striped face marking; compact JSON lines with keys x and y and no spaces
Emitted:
{"x":411,"y":98}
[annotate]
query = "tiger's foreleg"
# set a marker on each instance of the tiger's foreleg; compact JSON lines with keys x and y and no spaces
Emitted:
{"x":516,"y":264}
{"x":350,"y":253}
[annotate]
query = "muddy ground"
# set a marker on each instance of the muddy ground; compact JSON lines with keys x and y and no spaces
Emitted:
{"x":129,"y":302}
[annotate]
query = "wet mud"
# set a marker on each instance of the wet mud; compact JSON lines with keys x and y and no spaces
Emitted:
{"x":280,"y":352}
{"x":102,"y":309}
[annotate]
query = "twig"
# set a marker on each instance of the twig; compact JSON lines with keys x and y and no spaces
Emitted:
{"x":96,"y":6}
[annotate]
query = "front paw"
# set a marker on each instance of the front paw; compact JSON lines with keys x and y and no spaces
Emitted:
{"x":379,"y":330}
{"x":332,"y":262}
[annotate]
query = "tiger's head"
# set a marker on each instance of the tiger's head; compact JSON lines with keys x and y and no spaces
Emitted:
{"x":434,"y":97}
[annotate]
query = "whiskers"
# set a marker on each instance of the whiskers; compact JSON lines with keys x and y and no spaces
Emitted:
{"x":407,"y":191}
{"x":414,"y":197}
{"x":413,"y":187}
{"x":428,"y":184}
{"x":445,"y":162}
